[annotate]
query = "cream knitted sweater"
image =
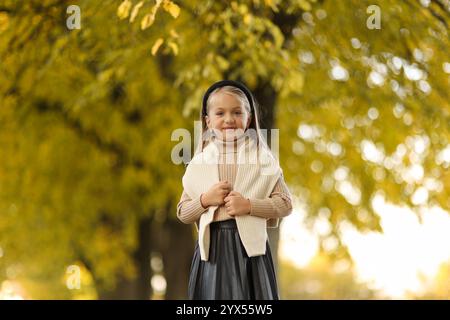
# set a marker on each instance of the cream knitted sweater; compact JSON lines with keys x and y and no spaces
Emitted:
{"x":266,"y":204}
{"x":277,"y":206}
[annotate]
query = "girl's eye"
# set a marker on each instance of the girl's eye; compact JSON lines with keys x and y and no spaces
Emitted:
{"x":238,"y":112}
{"x":219,"y":113}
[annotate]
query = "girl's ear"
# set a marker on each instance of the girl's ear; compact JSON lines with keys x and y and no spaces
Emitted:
{"x":207,"y":121}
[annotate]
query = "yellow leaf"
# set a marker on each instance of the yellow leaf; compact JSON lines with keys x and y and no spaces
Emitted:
{"x":172,"y":8}
{"x":173,"y":33}
{"x":147,"y":21}
{"x":105,"y":75}
{"x":271,"y":4}
{"x":156,"y":46}
{"x":135,"y":11}
{"x":296,"y":81}
{"x":4,"y":21}
{"x":124,"y":9}
{"x":304,"y":5}
{"x":223,"y":63}
{"x":243,"y":9}
{"x":247,"y":19}
{"x":173,"y":46}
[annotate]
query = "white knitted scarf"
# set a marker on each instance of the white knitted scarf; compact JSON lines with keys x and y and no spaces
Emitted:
{"x":257,"y":174}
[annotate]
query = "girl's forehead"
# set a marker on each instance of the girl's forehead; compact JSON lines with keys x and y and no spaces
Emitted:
{"x":224,"y":100}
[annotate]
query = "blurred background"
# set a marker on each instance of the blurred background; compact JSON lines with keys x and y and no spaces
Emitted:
{"x":91,"y":92}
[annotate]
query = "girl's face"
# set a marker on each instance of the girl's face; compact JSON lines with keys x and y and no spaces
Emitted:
{"x":226,"y":116}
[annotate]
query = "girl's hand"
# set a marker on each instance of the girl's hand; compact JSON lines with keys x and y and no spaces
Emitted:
{"x":216,"y":194}
{"x":236,"y":204}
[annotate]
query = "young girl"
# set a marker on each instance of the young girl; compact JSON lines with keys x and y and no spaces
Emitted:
{"x":232,"y":200}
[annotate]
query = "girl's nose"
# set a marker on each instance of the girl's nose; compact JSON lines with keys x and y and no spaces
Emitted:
{"x":229,"y":118}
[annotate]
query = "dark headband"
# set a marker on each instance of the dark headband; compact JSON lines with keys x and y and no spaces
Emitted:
{"x":224,"y":83}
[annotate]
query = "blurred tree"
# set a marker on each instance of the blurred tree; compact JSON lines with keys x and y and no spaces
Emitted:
{"x":86,"y":115}
{"x":86,"y":170}
{"x":374,"y":117}
{"x":375,"y":111}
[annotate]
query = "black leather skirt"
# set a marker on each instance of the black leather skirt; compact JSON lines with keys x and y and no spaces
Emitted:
{"x":230,"y":274}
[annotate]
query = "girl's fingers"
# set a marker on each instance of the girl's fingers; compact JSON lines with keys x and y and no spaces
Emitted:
{"x":227,"y":201}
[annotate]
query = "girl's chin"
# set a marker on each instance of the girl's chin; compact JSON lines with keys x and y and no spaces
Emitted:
{"x":230,"y":134}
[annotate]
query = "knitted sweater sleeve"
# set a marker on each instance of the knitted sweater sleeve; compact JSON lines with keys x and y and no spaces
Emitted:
{"x":189,"y":210}
{"x":278,"y":205}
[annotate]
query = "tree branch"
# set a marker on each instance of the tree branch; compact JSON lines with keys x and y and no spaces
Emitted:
{"x":90,"y":135}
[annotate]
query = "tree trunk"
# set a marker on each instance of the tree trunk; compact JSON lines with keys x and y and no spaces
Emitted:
{"x":138,"y":288}
{"x":176,"y":244}
{"x":266,"y":97}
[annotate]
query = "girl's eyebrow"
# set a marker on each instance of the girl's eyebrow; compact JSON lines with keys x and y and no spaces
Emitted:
{"x":236,"y":107}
